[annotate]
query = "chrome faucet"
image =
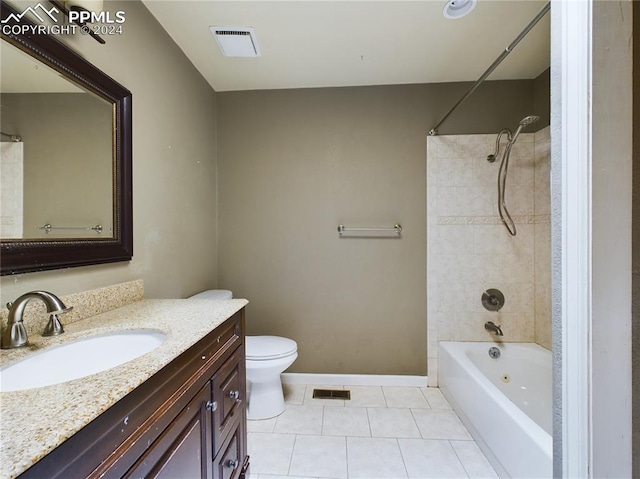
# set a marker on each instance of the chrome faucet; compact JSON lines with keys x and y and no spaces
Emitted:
{"x":16,"y":334}
{"x":492,"y":327}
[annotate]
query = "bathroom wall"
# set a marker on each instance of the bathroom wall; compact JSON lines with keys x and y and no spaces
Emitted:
{"x":293,"y":165}
{"x":469,"y":250}
{"x":174,"y":166}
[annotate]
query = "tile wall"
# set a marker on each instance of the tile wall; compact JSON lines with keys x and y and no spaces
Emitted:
{"x":542,"y":238}
{"x":469,"y":250}
{"x":11,"y":182}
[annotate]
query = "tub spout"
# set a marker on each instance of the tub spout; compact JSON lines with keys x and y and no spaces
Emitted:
{"x":493,"y":328}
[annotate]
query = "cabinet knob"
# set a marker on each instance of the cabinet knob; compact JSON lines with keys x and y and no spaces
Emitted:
{"x":234,"y":394}
{"x":211,"y":405}
{"x":232,"y":463}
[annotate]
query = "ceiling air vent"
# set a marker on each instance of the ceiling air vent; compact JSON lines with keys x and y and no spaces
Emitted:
{"x":236,"y":42}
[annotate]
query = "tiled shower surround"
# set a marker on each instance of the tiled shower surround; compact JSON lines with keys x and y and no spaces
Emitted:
{"x":469,"y":250}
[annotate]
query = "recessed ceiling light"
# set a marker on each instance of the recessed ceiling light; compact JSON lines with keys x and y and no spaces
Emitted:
{"x":458,"y":8}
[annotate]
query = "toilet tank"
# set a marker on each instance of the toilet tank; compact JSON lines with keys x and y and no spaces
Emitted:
{"x":213,"y":294}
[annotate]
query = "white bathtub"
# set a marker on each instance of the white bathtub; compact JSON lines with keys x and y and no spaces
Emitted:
{"x":505,"y":403}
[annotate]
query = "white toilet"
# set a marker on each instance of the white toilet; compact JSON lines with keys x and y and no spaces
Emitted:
{"x":267,"y":358}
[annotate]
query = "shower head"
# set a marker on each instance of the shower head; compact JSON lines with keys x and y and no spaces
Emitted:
{"x":528,"y":120}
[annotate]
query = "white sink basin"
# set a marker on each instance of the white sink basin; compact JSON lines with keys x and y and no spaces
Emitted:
{"x":78,"y":359}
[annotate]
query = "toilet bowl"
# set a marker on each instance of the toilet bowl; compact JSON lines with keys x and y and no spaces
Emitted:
{"x":266,"y":358}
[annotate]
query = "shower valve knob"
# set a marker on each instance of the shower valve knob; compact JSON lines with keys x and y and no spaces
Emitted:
{"x":492,"y":300}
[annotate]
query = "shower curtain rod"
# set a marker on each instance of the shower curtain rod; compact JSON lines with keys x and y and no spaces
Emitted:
{"x":494,"y":65}
{"x":12,"y":136}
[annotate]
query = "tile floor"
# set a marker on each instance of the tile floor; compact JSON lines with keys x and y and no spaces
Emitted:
{"x":381,"y":433}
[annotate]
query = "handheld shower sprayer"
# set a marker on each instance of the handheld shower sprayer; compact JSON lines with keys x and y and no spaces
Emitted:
{"x":526,"y":121}
{"x":504,"y":166}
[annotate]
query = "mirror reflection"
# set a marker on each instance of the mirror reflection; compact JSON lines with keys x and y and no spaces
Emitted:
{"x":57,"y":154}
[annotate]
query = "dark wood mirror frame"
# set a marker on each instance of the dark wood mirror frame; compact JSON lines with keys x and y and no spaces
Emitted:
{"x":21,"y":256}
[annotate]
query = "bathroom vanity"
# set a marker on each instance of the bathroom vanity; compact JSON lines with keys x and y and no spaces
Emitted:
{"x":177,"y":411}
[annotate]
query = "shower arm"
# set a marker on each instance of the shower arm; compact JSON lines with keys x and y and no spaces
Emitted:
{"x":13,"y":137}
{"x":494,"y":65}
{"x":494,"y":156}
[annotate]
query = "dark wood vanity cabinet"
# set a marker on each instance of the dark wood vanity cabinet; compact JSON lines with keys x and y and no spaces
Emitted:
{"x":186,"y":421}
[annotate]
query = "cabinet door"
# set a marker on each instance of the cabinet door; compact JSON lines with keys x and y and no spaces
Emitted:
{"x":183,"y":449}
{"x":228,"y":390}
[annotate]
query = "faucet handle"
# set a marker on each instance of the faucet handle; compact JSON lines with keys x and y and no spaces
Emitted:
{"x":53,"y":327}
{"x":492,"y":299}
{"x":9,"y":305}
{"x":14,"y":336}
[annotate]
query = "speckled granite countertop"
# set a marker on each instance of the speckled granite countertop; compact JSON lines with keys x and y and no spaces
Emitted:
{"x":34,"y":422}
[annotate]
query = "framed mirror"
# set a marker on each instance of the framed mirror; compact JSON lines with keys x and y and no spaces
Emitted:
{"x":66,"y":156}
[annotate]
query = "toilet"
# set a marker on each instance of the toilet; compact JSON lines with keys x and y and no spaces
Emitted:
{"x":267,"y":357}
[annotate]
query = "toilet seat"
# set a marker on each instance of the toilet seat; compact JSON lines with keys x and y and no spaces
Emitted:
{"x":265,"y":348}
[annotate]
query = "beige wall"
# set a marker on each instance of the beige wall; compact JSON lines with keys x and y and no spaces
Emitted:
{"x":541,"y":98}
{"x":293,"y":165}
{"x":174,"y":166}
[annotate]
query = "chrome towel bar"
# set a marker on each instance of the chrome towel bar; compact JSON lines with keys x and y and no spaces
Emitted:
{"x":397,"y":229}
{"x":47,"y":228}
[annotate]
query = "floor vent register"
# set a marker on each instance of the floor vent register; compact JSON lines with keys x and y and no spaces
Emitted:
{"x":331,"y":394}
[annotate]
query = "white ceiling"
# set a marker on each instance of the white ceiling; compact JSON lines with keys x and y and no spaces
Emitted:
{"x":352,"y":43}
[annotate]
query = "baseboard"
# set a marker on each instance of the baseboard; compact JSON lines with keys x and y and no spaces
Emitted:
{"x":355,"y":379}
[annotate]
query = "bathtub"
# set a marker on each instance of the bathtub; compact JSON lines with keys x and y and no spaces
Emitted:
{"x":505,"y":402}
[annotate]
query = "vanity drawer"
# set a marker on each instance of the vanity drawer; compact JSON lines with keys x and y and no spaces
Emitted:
{"x":228,"y":464}
{"x":230,"y":337}
{"x":228,"y":390}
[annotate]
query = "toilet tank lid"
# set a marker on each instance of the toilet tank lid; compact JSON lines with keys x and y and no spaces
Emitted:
{"x":213,"y":294}
{"x":269,"y":347}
